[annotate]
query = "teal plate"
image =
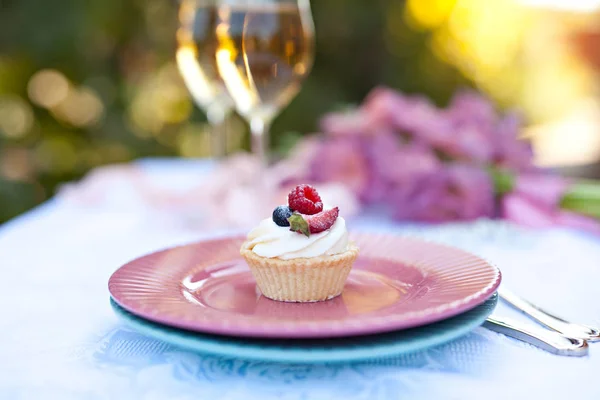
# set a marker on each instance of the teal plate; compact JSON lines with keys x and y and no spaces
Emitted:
{"x":349,"y":349}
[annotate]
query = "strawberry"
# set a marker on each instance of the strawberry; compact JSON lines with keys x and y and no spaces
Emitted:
{"x":307,"y":224}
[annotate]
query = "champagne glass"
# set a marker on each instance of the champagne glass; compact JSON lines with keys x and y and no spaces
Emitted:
{"x":265,"y":51}
{"x":196,"y":49}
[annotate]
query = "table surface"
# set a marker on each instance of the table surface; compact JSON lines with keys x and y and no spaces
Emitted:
{"x":61,"y":340}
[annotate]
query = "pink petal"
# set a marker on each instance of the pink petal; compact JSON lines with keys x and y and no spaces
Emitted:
{"x":545,"y":190}
{"x":578,"y":221}
{"x":521,"y":210}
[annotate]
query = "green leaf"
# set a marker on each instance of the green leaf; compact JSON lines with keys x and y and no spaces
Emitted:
{"x":504,"y":181}
{"x":583,"y":190}
{"x":583,"y":197}
{"x":299,"y":224}
{"x":591,"y":208}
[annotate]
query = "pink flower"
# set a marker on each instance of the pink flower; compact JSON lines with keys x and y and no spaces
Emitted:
{"x":481,"y":135}
{"x":341,"y":160}
{"x":535,"y":202}
{"x":509,"y":151}
{"x":429,"y":164}
{"x":347,"y":123}
{"x":373,"y":166}
{"x":577,"y":221}
{"x":472,"y":121}
{"x":542,"y":189}
{"x":470,"y":143}
{"x":411,"y":116}
{"x":373,"y":117}
{"x":405,"y":163}
{"x":380,"y":153}
{"x":297,"y":165}
{"x":468,"y":106}
{"x":456,"y":192}
{"x":522,"y":210}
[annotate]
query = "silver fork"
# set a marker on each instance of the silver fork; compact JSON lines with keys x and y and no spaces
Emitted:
{"x":551,"y":321}
{"x":564,"y":338}
{"x":545,"y":339}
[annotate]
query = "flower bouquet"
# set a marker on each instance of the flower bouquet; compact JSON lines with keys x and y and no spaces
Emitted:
{"x":430,"y":164}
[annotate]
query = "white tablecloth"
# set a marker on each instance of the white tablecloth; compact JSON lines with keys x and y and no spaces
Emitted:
{"x":61,"y":340}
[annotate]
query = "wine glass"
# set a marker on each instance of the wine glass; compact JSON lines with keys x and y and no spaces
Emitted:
{"x":196,"y":49}
{"x":265,"y":51}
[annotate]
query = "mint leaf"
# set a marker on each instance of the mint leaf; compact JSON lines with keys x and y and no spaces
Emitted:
{"x":299,"y":224}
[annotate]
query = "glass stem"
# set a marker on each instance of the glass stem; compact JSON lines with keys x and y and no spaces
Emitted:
{"x":216,"y":117}
{"x":259,"y":130}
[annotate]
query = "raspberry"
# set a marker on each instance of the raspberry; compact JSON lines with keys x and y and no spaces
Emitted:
{"x":322,"y":221}
{"x":305,"y":200}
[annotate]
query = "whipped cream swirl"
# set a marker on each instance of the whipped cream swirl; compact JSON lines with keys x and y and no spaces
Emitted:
{"x":273,"y":241}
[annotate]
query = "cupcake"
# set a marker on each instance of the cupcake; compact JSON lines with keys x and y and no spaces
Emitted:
{"x":301,"y":253}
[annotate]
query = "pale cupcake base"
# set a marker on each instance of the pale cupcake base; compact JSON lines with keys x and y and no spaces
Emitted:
{"x":301,"y":279}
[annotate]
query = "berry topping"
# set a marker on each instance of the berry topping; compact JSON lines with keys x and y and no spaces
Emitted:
{"x":322,"y":221}
{"x":305,"y":200}
{"x":281,"y":215}
{"x":307,"y":224}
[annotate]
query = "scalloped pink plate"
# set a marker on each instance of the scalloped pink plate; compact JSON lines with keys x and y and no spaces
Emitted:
{"x":396,"y":283}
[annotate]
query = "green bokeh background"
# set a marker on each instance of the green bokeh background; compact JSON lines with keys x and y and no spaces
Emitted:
{"x":115,"y":47}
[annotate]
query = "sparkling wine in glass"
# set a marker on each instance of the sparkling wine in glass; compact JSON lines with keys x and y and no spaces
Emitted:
{"x":265,"y":51}
{"x":196,"y":50}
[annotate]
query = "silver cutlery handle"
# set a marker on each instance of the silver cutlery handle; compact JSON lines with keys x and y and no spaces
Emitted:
{"x":549,"y":320}
{"x":550,"y":341}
